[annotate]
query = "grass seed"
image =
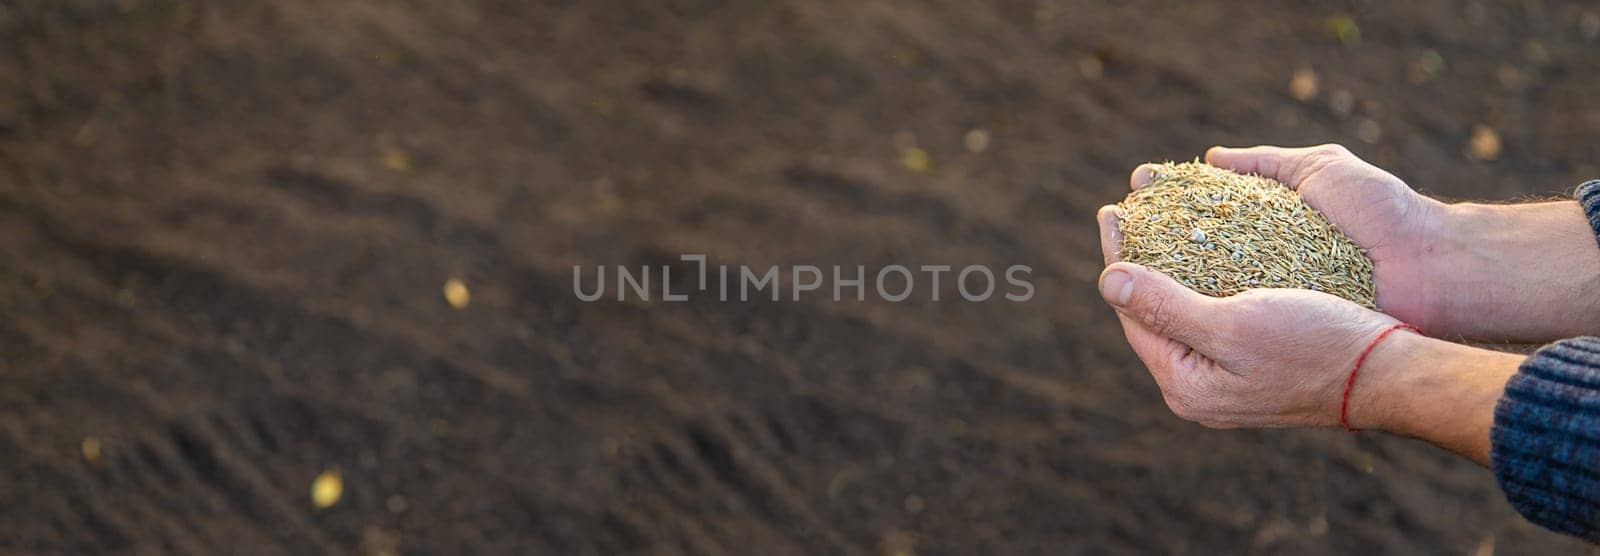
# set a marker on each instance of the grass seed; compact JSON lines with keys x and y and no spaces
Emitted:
{"x":1175,"y":224}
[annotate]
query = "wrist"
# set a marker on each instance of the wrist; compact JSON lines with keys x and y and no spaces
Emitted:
{"x":1522,"y":272}
{"x":1376,"y":399}
{"x":1438,"y":391}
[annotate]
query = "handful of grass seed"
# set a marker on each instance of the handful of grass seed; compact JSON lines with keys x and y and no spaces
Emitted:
{"x":1220,"y":233}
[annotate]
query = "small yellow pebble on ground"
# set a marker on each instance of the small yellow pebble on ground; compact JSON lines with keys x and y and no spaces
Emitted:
{"x":91,"y":450}
{"x":456,"y":294}
{"x":1485,"y":143}
{"x":1303,"y":85}
{"x":915,"y":159}
{"x":976,"y":140}
{"x":1344,"y":29}
{"x":326,"y":489}
{"x":397,"y":160}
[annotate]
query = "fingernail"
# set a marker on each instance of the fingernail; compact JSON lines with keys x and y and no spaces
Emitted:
{"x":1142,"y":175}
{"x":1116,"y":286}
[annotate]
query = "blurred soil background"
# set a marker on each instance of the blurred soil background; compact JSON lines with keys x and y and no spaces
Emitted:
{"x":225,"y":228}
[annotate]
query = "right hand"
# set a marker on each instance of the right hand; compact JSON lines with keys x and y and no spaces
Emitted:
{"x":1381,"y":214}
{"x":1526,"y":272}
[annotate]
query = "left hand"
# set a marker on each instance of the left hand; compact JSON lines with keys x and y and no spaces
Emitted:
{"x":1261,"y":358}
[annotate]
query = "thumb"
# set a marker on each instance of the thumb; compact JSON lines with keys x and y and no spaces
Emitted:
{"x":1287,"y":165}
{"x":1160,"y":303}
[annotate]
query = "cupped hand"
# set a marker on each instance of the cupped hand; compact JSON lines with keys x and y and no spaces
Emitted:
{"x":1261,"y":358}
{"x":1394,"y":224}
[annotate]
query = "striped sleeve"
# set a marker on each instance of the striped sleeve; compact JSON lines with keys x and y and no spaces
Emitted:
{"x":1546,"y":438}
{"x":1588,"y":195}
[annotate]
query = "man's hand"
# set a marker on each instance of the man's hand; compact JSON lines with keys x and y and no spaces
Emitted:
{"x":1261,"y":358}
{"x":1528,"y":272}
{"x":1280,"y":357}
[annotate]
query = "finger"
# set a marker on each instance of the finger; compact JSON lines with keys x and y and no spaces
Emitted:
{"x":1287,"y":165}
{"x":1160,"y":303}
{"x":1151,"y":348}
{"x":1141,"y":176}
{"x":1110,"y":218}
{"x":1156,"y":351}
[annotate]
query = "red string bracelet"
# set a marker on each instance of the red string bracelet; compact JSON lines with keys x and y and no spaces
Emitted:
{"x":1349,"y":384}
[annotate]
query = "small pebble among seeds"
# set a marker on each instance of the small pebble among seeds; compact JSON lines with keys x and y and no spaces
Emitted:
{"x":1174,"y":224}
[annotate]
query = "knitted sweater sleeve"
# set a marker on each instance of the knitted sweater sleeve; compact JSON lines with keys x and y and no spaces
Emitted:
{"x":1545,"y":445}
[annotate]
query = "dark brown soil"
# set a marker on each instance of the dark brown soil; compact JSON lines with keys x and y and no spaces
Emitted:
{"x":224,"y":228}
